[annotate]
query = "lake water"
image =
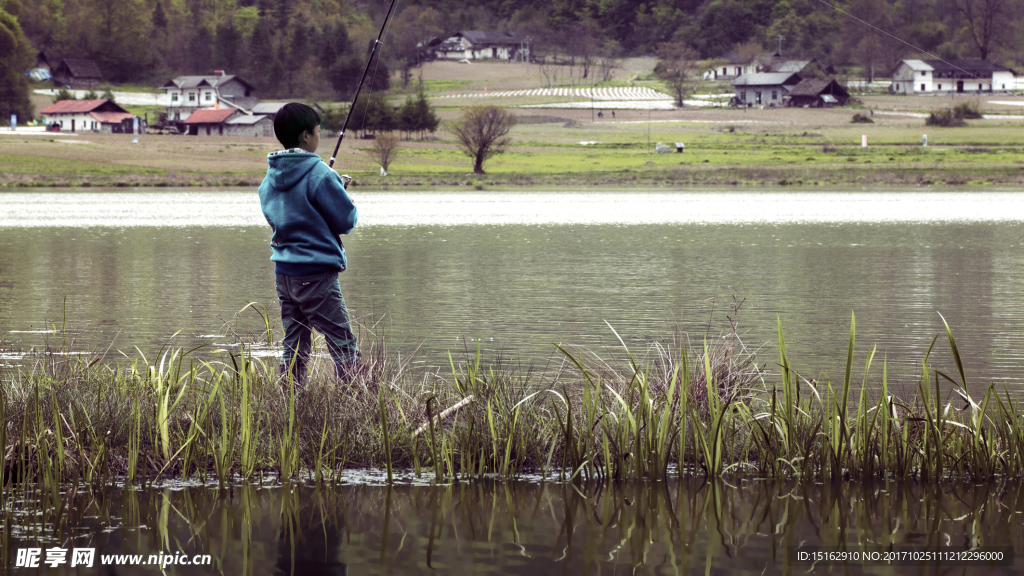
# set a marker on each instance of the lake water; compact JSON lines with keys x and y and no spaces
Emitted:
{"x":517,"y":271}
{"x":741,"y":526}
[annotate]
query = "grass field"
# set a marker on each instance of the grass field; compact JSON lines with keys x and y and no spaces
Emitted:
{"x":573,"y":147}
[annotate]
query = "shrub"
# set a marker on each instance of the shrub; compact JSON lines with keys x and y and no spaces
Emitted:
{"x":969,"y":110}
{"x":949,"y":118}
{"x":861,"y":119}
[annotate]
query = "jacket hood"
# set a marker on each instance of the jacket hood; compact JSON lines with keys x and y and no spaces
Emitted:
{"x":287,"y":168}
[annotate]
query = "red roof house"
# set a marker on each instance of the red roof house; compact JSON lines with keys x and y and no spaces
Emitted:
{"x":94,"y":115}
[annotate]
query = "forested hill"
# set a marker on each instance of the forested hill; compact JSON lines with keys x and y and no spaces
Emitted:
{"x":302,"y":46}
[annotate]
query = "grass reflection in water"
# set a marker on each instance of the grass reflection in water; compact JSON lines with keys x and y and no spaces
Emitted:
{"x":681,"y":526}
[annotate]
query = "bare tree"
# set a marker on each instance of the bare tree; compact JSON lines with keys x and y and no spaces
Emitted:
{"x":986,"y":21}
{"x":385,"y":148}
{"x":482,"y":132}
{"x":678,"y":66}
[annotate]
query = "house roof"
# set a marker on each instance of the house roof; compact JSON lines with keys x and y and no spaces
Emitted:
{"x":111,"y":117}
{"x":185,"y":82}
{"x":268,"y":107}
{"x":918,"y":65}
{"x":971,"y":66}
{"x":209,"y":116}
{"x":781,"y":65}
{"x":767,"y":79}
{"x":485,"y":38}
{"x":81,"y":68}
{"x":815,"y":87}
{"x":82,"y":107}
{"x":245,"y":119}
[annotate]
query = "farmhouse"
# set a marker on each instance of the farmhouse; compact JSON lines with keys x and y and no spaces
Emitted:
{"x":766,"y":88}
{"x":77,"y":73}
{"x":474,"y":45}
{"x":815,"y":93}
{"x":227,"y":122}
{"x":187,"y":94}
{"x":947,"y":76}
{"x":92,"y":115}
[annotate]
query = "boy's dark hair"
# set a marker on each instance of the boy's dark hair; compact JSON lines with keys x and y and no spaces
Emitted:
{"x":292,"y":120}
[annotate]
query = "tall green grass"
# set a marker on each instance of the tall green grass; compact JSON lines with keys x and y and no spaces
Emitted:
{"x":706,"y":409}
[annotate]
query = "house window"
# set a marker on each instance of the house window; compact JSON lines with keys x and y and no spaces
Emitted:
{"x":922,"y":87}
{"x":174,"y":97}
{"x":1004,"y":86}
{"x":209,"y":96}
{"x":775,"y":94}
{"x":725,"y":71}
{"x":922,"y":73}
{"x":191,"y":96}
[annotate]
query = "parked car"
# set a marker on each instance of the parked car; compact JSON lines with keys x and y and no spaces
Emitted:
{"x":53,"y":127}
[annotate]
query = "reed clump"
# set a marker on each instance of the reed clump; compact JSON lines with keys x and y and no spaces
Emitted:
{"x":704,"y":407}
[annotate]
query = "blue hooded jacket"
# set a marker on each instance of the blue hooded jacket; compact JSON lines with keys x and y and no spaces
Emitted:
{"x":307,"y":207}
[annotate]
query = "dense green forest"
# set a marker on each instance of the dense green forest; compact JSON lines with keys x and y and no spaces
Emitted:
{"x":287,"y":47}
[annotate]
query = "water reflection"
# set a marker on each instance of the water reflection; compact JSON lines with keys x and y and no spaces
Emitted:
{"x":743,"y":525}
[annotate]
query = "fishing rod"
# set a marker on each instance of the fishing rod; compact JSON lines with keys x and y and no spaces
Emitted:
{"x":361,"y":80}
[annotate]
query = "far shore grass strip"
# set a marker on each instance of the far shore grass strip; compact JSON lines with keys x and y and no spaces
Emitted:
{"x":563,"y":148}
{"x":706,"y":409}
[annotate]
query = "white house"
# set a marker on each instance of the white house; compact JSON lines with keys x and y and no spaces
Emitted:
{"x":946,"y":76}
{"x":764,"y":89}
{"x":474,"y":45}
{"x":87,"y":115}
{"x":186,"y":94}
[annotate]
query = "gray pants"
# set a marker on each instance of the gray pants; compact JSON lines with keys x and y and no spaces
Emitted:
{"x":315,"y":303}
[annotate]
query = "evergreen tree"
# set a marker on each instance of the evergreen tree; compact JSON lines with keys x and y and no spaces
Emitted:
{"x":372,"y":113}
{"x":200,"y":54}
{"x":159,"y":18}
{"x":16,"y":56}
{"x":227,"y":46}
{"x":261,"y":57}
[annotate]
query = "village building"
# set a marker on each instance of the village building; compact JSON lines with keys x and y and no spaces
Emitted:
{"x":817,"y":93}
{"x":77,"y":73}
{"x":88,"y":115}
{"x":945,"y":77}
{"x":764,"y":89}
{"x":736,"y":66}
{"x":187,"y":94}
{"x":269,"y":109}
{"x":227,"y":122}
{"x":475,"y":45}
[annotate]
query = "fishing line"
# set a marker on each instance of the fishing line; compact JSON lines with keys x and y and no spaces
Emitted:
{"x":376,"y":66}
{"x":362,"y":79}
{"x":922,"y":51}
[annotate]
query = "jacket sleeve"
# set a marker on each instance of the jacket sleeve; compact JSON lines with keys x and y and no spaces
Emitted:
{"x":335,"y":204}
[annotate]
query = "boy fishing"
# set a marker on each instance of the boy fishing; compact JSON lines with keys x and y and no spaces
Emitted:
{"x":307,"y":207}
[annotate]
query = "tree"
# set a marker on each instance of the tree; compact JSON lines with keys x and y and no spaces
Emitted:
{"x":15,"y":57}
{"x":482,"y":132}
{"x":417,"y":115}
{"x":987,"y":21}
{"x":372,"y":113}
{"x":677,"y":65}
{"x":385,"y":148}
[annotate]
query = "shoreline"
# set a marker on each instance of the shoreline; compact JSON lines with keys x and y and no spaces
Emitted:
{"x":807,"y":177}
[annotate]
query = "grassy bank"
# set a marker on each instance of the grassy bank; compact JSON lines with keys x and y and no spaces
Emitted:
{"x":709,"y":409}
{"x":566,"y":148}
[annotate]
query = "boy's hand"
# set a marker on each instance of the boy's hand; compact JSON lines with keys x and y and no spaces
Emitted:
{"x":345,"y":178}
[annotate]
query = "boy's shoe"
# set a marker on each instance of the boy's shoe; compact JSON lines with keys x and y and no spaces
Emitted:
{"x":351,"y":372}
{"x":284,"y":376}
